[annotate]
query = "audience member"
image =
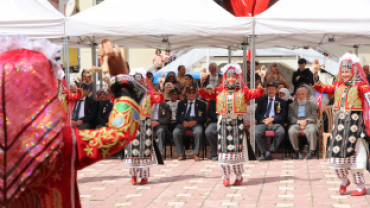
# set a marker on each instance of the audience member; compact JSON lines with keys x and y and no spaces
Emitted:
{"x":167,"y":89}
{"x":211,"y":130}
{"x":171,"y":77}
{"x":173,"y":103}
{"x":303,"y":117}
{"x":302,"y":74}
{"x":169,"y":57}
{"x":284,"y":94}
{"x":181,"y":75}
{"x":104,"y":109}
{"x":158,"y":59}
{"x":190,"y":116}
{"x":310,"y":93}
{"x":189,"y":82}
{"x":270,"y":115}
{"x":85,"y":110}
{"x":161,"y":118}
{"x":257,"y":77}
{"x":150,"y":77}
{"x":213,"y":78}
{"x":275,"y":76}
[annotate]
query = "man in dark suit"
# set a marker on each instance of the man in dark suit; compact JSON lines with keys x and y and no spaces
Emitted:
{"x":104,"y":109}
{"x":213,"y":78}
{"x":85,"y":110}
{"x":191,"y":115}
{"x":211,"y":130}
{"x":161,"y":118}
{"x":270,"y":115}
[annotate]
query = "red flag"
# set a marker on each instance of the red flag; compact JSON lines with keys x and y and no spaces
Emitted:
{"x":243,"y":8}
{"x":261,"y":6}
{"x":249,"y":55}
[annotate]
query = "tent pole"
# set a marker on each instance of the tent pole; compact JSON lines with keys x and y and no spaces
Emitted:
{"x":208,"y":59}
{"x":93,"y":58}
{"x":230,"y":55}
{"x":66,"y":60}
{"x":252,"y":86}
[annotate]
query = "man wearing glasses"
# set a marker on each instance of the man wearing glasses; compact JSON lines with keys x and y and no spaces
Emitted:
{"x":191,"y":115}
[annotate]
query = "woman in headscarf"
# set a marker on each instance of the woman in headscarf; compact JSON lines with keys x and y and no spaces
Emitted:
{"x":284,"y":94}
{"x":348,"y":149}
{"x":231,"y":104}
{"x":167,"y":88}
{"x":172,"y":78}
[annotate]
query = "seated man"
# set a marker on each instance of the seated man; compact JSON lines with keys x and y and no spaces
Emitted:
{"x":191,"y":115}
{"x":270,"y":115}
{"x":85,"y":110}
{"x":303,"y":116}
{"x":211,"y":130}
{"x":105,"y":107}
{"x":173,"y":103}
{"x":161,"y":118}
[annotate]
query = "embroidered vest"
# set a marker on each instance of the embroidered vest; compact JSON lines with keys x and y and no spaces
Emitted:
{"x":239,"y":104}
{"x":352,"y":101}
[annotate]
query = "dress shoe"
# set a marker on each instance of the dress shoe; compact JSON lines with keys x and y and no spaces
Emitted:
{"x":214,"y":158}
{"x":357,"y":193}
{"x":196,"y":158}
{"x":238,"y":182}
{"x":299,"y":155}
{"x":133,"y":180}
{"x":182,"y":157}
{"x":309,"y":155}
{"x":343,"y":189}
{"x":144,"y":181}
{"x":226,"y":181}
{"x":262,"y":158}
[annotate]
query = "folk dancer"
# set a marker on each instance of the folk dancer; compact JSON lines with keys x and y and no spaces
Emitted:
{"x":231,"y":103}
{"x":140,"y":154}
{"x":347,"y":148}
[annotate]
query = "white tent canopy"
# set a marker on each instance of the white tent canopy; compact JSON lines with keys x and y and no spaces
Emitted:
{"x":33,"y":18}
{"x":298,"y":23}
{"x":162,"y":24}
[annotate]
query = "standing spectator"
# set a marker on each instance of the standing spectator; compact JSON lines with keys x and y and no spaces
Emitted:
{"x":189,"y":82}
{"x":181,"y":75}
{"x":303,"y":116}
{"x":270,"y":115}
{"x":275,"y":76}
{"x":190,"y":116}
{"x":169,"y":58}
{"x":84,"y":112}
{"x":302,"y":74}
{"x":158,"y":59}
{"x":105,"y":107}
{"x":211,"y":130}
{"x":161,"y":118}
{"x":173,"y":103}
{"x":213,"y":78}
{"x":257,"y":77}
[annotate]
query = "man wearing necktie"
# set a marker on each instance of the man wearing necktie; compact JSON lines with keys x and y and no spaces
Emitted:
{"x":191,"y":115}
{"x":84,"y":112}
{"x":270,"y":115}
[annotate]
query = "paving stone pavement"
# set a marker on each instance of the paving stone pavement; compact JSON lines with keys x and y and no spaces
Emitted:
{"x":276,"y":183}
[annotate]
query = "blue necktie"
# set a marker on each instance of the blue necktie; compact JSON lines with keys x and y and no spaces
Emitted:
{"x":269,"y":108}
{"x":77,"y":110}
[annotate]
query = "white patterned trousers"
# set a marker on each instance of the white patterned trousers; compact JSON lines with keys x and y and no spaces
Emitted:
{"x":142,"y":172}
{"x":238,"y":170}
{"x":357,"y":174}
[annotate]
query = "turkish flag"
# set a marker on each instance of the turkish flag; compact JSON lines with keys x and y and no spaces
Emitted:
{"x":261,"y":6}
{"x":243,"y":8}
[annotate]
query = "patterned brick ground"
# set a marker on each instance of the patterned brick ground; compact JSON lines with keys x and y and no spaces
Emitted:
{"x":277,"y":183}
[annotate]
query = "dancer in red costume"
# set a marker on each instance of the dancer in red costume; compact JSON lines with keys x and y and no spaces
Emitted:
{"x":348,"y":148}
{"x":40,"y":152}
{"x":232,"y":98}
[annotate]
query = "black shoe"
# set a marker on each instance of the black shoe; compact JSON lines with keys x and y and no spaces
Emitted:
{"x":299,"y":155}
{"x":262,"y":158}
{"x":309,"y":155}
{"x":214,"y":158}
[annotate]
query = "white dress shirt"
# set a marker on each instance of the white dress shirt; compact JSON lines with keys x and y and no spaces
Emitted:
{"x":272,"y":110}
{"x":81,"y":114}
{"x":192,"y":112}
